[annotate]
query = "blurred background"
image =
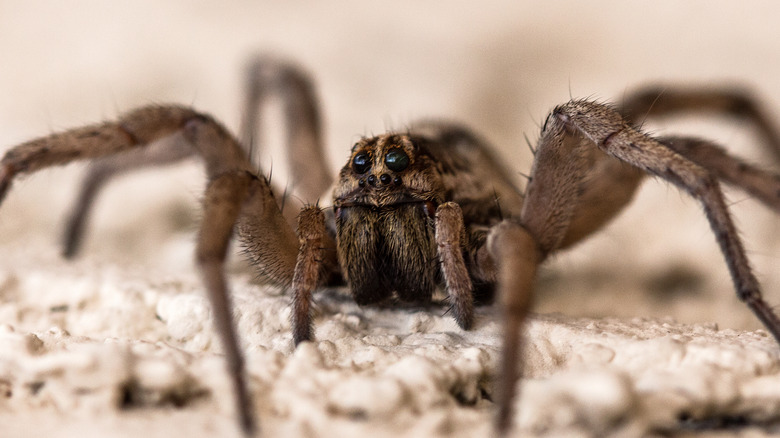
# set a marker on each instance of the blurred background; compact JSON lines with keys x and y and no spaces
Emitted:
{"x":499,"y":66}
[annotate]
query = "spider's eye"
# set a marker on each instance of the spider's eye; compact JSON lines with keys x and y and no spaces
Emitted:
{"x":361,"y":163}
{"x":396,"y":159}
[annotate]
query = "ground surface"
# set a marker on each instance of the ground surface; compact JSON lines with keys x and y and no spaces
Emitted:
{"x":636,"y":332}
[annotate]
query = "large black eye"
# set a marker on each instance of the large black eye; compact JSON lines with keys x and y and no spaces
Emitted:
{"x":396,"y":159}
{"x":361,"y":163}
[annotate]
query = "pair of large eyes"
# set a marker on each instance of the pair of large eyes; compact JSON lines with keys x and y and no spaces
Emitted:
{"x":395,"y":160}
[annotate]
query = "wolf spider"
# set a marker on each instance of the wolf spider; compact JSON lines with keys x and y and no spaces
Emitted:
{"x":417,"y":208}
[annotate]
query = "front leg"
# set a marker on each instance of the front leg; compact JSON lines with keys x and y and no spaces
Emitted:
{"x":565,"y":175}
{"x":222,"y":205}
{"x":614,"y":136}
{"x":589,"y":155}
{"x":234,"y":194}
{"x":517,"y":255}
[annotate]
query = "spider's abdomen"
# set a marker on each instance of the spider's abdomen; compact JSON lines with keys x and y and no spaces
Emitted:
{"x":386,"y":250}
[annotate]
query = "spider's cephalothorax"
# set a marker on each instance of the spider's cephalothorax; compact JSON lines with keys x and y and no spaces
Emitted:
{"x":417,"y":209}
{"x":408,"y":205}
{"x":384,"y":206}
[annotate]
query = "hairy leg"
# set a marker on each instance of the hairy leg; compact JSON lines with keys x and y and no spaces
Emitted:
{"x":564,"y":202}
{"x":299,"y":262}
{"x":166,"y":151}
{"x":760,"y":183}
{"x":222,"y":206}
{"x":230,"y":182}
{"x":586,"y":150}
{"x":132,"y":131}
{"x":734,"y":102}
{"x":268,"y":77}
{"x":608,"y":130}
{"x":517,"y":255}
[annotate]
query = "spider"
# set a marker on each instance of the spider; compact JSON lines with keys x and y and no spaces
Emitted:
{"x":414,"y":209}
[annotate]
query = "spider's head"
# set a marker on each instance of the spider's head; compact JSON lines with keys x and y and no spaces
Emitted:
{"x":384,"y":206}
{"x":386,"y":171}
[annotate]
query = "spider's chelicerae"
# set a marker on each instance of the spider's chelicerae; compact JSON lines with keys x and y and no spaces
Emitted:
{"x":417,"y":208}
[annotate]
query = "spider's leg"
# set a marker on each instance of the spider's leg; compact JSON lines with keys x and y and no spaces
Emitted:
{"x":228,"y":171}
{"x":760,"y":183}
{"x":267,"y":78}
{"x":166,"y":151}
{"x":272,"y":247}
{"x":306,"y":159}
{"x":517,"y":256}
{"x":614,"y":136}
{"x":573,"y":191}
{"x":222,"y":206}
{"x":576,"y":188}
{"x":134,"y":130}
{"x":734,"y":102}
{"x":270,"y":242}
{"x":451,"y":239}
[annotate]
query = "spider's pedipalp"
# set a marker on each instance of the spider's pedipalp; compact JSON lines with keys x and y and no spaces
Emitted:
{"x":309,"y":269}
{"x":451,"y":239}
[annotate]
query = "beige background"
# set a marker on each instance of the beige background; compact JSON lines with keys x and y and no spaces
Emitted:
{"x":499,"y":66}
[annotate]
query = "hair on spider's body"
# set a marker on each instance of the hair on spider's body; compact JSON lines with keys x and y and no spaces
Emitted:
{"x":416,"y":209}
{"x":385,"y":206}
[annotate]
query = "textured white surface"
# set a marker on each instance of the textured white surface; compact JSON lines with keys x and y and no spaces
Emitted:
{"x":127,"y":323}
{"x":145,"y":344}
